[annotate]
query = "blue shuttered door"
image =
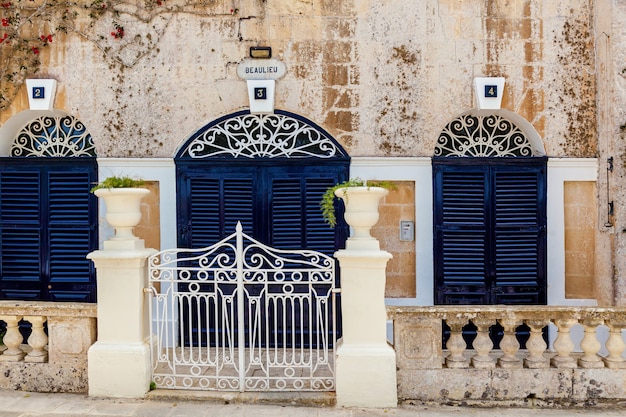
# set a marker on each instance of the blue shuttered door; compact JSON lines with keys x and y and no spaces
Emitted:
{"x":490,"y":224}
{"x":48,"y":224}
{"x":277,"y":204}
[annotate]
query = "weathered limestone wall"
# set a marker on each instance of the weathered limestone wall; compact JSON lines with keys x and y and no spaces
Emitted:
{"x":612,"y":44}
{"x":382,"y":77}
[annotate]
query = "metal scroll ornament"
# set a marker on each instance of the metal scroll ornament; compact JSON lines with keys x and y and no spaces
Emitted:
{"x":54,"y":137}
{"x":261,"y":136}
{"x":482,"y":136}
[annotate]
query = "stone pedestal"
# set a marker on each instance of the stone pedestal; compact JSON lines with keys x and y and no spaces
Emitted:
{"x":119,"y":362}
{"x":366,"y":364}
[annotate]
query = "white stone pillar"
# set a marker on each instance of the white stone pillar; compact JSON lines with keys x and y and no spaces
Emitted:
{"x":366,"y":364}
{"x":119,"y":362}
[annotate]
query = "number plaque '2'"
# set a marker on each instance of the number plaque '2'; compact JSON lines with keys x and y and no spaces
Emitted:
{"x":39,"y":92}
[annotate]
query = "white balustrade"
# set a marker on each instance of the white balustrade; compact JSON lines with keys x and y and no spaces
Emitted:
{"x":536,"y":345}
{"x":615,"y":344}
{"x":564,"y":345}
{"x":37,"y":340}
{"x":590,"y":345}
{"x":535,"y":354}
{"x":14,"y":341}
{"x":509,"y":344}
{"x":483,"y":344}
{"x":456,"y":344}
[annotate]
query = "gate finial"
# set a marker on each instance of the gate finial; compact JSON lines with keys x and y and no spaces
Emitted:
{"x":239,"y":227}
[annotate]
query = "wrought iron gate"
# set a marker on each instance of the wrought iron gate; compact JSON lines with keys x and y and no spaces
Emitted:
{"x":241,"y":316}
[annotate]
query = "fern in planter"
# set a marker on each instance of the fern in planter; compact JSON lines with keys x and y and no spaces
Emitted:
{"x":118,"y":182}
{"x":327,"y":204}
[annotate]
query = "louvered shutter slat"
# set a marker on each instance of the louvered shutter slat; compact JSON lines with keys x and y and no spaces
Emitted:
{"x":287,"y":215}
{"x":204,"y":212}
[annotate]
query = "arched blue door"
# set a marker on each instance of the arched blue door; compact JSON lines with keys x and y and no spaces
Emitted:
{"x":489,"y":216}
{"x":48,"y":218}
{"x":267,"y":171}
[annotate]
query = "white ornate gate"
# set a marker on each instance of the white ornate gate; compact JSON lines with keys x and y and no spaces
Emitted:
{"x":241,"y":316}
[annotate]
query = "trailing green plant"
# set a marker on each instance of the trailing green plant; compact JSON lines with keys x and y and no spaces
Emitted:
{"x":118,"y":182}
{"x":327,"y":203}
{"x":2,"y":333}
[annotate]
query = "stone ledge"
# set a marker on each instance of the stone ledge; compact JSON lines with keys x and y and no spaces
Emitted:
{"x":443,"y":386}
{"x":48,"y":309}
{"x":44,"y":377}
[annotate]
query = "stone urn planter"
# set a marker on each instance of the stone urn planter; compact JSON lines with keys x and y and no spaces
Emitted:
{"x":361,"y":203}
{"x":123,"y":209}
{"x":122,"y":198}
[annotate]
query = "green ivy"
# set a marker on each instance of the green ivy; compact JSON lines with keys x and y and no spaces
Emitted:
{"x":327,"y":204}
{"x":118,"y":182}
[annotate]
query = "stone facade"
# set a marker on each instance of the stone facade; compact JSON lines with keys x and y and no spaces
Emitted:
{"x":382,"y":77}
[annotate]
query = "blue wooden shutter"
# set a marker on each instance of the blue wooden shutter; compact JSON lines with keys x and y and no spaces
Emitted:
{"x":295,"y":220}
{"x":490,"y":231}
{"x":20,"y":235}
{"x":461,"y":235}
{"x":211,"y":204}
{"x":48,"y":225}
{"x":519,"y":235}
{"x":71,"y":235}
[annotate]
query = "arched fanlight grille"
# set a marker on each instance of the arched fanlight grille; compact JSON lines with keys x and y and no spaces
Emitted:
{"x":49,"y":136}
{"x":488,"y":135}
{"x":261,"y":136}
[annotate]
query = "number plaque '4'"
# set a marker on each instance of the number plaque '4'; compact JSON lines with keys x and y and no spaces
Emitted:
{"x":491,"y":91}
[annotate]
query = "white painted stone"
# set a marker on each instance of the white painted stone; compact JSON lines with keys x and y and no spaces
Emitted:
{"x":366,"y":376}
{"x":261,"y":95}
{"x":119,"y":362}
{"x":41,"y":93}
{"x":119,"y":370}
{"x":366,"y":364}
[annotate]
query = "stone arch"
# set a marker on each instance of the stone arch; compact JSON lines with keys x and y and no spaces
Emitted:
{"x":489,"y":133}
{"x":43,"y":133}
{"x":243,"y":135}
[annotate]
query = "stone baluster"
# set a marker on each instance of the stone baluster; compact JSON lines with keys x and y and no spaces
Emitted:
{"x":509,"y":344}
{"x":615,"y":345}
{"x":590,"y":344}
{"x":456,"y":344}
{"x":12,"y":340}
{"x":536,"y":345}
{"x":37,"y":340}
{"x":564,"y":345}
{"x":483,"y":344}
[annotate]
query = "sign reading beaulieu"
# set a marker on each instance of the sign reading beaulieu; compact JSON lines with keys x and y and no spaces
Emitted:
{"x":261,"y":69}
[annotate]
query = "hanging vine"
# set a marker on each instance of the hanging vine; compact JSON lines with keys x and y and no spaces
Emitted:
{"x":124,"y":30}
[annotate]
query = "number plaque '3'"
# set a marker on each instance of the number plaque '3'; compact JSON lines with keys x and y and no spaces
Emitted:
{"x":260,"y":93}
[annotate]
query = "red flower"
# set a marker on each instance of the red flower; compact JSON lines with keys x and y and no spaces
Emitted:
{"x":5,"y":22}
{"x":35,"y":50}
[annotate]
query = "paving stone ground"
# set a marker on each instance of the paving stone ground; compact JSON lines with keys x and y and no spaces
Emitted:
{"x":24,"y":404}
